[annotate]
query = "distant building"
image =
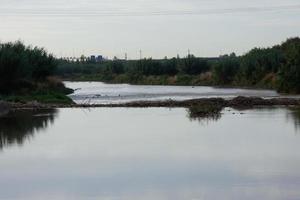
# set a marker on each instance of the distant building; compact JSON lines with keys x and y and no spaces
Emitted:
{"x":93,"y":58}
{"x":99,"y":58}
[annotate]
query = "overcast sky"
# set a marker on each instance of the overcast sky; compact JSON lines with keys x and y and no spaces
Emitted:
{"x":159,"y":28}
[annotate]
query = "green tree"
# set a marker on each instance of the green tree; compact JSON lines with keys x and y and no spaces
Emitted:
{"x":289,"y":74}
{"x":225,"y":70}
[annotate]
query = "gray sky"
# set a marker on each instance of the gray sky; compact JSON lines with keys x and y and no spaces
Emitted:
{"x":159,"y":28}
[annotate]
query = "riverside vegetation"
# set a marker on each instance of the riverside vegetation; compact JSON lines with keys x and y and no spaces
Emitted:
{"x":30,"y":73}
{"x":277,"y":67}
{"x":26,"y":74}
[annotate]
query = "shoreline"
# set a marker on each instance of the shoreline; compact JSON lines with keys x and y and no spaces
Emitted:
{"x":237,"y":102}
{"x":253,"y":87}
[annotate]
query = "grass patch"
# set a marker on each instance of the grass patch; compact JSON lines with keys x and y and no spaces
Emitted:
{"x":47,"y":98}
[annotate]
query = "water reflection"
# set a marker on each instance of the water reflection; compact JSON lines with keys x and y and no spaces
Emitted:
{"x":204,"y":116}
{"x":193,"y":113}
{"x":295,"y":116}
{"x":156,"y":153}
{"x":17,"y":126}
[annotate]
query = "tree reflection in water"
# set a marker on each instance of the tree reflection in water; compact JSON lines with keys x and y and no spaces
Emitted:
{"x":295,"y":115}
{"x":17,"y":126}
{"x":209,"y":114}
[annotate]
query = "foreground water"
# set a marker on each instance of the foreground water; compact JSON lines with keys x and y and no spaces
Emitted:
{"x":101,"y":93}
{"x":154,"y":153}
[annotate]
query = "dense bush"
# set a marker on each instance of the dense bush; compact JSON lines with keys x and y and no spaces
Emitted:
{"x":289,"y":73}
{"x":22,"y":66}
{"x":224,"y":71}
{"x":192,"y":65}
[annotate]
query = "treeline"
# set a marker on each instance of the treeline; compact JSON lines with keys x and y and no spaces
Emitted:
{"x":145,"y":71}
{"x":189,"y":65}
{"x":277,"y":67}
{"x":27,"y":71}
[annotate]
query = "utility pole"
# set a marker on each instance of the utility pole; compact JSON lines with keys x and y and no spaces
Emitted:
{"x":140,"y":54}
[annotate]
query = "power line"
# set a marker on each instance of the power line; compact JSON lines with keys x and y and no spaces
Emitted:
{"x":75,"y":13}
{"x":140,"y":54}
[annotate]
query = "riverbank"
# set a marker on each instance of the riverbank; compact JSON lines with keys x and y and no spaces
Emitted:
{"x":46,"y":98}
{"x":52,"y":91}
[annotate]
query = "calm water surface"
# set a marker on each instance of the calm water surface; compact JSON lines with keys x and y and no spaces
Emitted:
{"x":101,"y":93}
{"x":154,"y":153}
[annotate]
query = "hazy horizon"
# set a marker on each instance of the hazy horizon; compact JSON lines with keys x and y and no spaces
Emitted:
{"x":115,"y":27}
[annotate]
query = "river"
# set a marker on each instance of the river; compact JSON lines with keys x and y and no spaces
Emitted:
{"x":150,"y":153}
{"x":101,"y":93}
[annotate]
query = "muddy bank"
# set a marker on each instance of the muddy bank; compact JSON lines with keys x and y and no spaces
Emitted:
{"x":238,"y":102}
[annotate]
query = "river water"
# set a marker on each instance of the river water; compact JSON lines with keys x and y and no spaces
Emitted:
{"x":150,"y":153}
{"x":101,"y":93}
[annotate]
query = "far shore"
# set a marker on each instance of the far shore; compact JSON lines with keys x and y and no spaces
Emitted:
{"x":179,"y":85}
